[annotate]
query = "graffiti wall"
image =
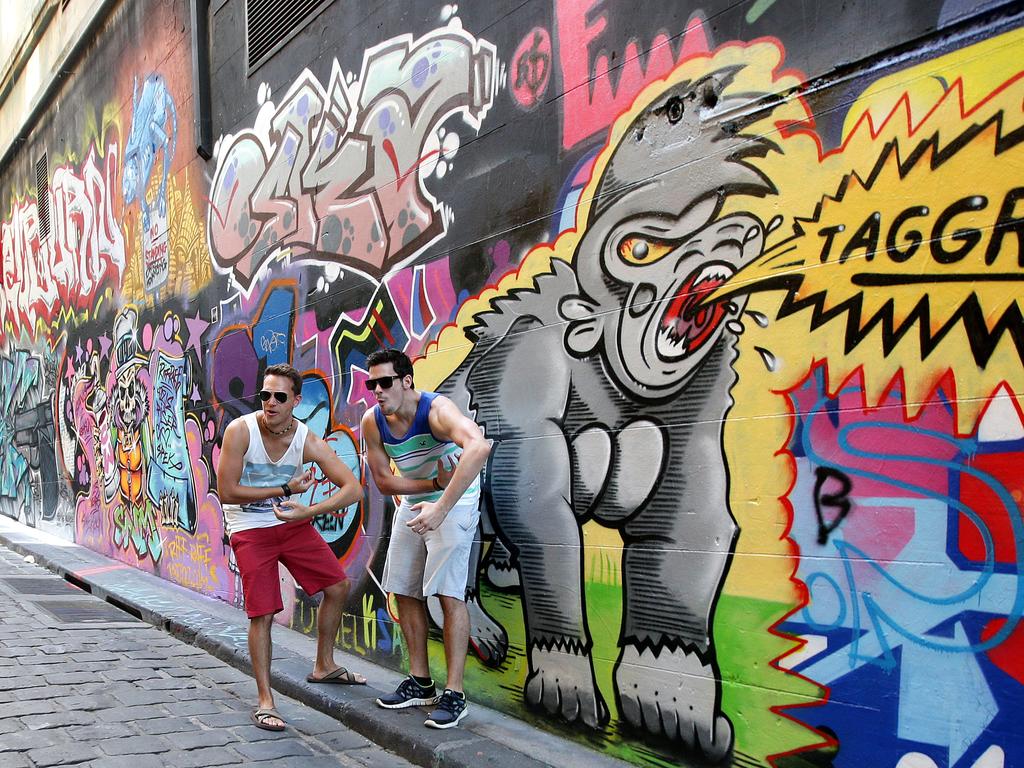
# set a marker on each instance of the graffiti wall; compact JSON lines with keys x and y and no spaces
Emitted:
{"x":731,"y":287}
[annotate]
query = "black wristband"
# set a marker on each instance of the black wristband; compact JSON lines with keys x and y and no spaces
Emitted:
{"x":286,"y":489}
{"x":437,"y":485}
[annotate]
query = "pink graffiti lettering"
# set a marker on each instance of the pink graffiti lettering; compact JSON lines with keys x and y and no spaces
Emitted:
{"x":591,"y":102}
{"x":85,"y":250}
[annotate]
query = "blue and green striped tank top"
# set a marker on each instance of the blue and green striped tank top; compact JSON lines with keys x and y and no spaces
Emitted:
{"x":416,"y":453}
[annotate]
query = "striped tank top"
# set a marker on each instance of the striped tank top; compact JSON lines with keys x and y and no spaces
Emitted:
{"x":416,"y":453}
{"x":258,"y":471}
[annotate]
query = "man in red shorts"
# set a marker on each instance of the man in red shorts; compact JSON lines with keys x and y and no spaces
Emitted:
{"x":260,"y":467}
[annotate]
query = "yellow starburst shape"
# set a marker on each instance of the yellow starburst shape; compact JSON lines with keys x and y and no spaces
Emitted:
{"x":901,"y":253}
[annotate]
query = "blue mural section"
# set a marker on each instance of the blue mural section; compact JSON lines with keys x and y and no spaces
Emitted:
{"x":908,"y":550}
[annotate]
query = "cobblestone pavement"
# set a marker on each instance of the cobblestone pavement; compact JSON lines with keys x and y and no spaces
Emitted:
{"x":117,"y":694}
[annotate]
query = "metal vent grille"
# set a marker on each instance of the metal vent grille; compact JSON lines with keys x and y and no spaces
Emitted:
{"x":84,"y":612}
{"x":269,"y":24}
{"x":44,"y":585}
{"x":43,"y":196}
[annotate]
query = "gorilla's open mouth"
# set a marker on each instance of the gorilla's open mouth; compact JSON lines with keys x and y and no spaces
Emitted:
{"x":687,"y":324}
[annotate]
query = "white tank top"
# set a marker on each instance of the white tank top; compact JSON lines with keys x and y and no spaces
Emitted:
{"x":258,"y":471}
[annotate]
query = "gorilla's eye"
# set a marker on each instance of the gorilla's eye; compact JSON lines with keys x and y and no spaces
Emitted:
{"x":640,"y":250}
{"x":674,"y":109}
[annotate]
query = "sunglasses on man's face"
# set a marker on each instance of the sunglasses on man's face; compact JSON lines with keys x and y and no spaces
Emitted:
{"x":385,"y":382}
{"x":266,"y":394}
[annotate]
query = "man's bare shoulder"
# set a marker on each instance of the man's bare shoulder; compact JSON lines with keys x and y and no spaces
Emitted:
{"x":368,"y":424}
{"x":237,"y":425}
{"x":314,"y":446}
{"x":236,"y":435}
{"x":444,"y":407}
{"x":445,"y":417}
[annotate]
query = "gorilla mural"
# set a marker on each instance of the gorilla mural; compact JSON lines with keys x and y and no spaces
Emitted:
{"x":605,"y":386}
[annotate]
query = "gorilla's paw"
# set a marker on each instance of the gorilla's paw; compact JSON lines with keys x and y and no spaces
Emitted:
{"x":486,"y":636}
{"x":673,"y":695}
{"x":502,"y":575}
{"x":562,"y":683}
{"x":501,"y":572}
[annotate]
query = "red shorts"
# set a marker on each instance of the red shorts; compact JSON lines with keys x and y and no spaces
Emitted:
{"x":296,"y":544}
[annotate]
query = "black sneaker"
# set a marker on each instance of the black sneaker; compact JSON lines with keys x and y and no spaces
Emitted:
{"x":409,"y":694}
{"x":450,"y":710}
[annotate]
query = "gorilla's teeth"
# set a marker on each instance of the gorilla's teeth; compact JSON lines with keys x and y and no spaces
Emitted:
{"x":720,"y":272}
{"x":669,"y":344}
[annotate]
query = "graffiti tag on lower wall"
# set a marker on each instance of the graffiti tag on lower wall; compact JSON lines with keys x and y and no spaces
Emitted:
{"x":28,"y":482}
{"x":917,"y":594}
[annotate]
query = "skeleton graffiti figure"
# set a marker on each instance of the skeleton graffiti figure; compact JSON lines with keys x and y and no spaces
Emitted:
{"x":134,"y":518}
{"x":610,"y":408}
{"x":100,"y":403}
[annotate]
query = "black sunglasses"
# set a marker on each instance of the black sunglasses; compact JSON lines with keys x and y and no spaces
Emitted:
{"x":384,"y":381}
{"x":266,"y":394}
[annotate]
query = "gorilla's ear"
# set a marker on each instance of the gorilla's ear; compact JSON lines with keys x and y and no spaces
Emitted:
{"x":584,"y":331}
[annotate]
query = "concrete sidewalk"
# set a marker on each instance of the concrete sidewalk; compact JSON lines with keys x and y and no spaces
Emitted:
{"x":485,"y":738}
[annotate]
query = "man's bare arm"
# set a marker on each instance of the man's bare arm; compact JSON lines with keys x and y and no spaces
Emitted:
{"x":447,"y":422}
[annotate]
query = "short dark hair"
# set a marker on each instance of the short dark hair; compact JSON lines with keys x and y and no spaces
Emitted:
{"x":283,"y":369}
{"x":398,"y":358}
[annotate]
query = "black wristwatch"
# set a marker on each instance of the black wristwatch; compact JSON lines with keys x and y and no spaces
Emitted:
{"x":286,"y":489}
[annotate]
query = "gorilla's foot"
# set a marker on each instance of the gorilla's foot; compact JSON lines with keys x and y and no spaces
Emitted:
{"x":562,"y":683}
{"x":110,"y":484}
{"x":487,"y":637}
{"x":674,"y":695}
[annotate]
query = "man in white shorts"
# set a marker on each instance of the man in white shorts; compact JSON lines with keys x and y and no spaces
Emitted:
{"x":439,"y":452}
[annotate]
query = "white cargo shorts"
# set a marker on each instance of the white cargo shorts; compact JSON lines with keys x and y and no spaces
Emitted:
{"x":437,"y":562}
